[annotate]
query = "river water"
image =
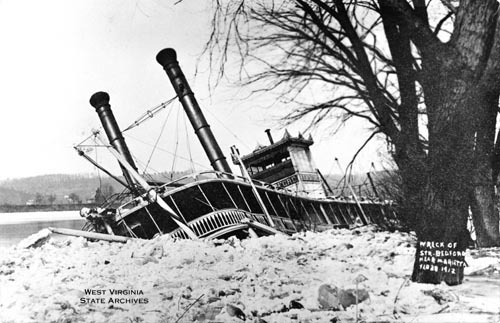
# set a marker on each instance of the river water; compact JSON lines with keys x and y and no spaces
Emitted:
{"x":14,"y":227}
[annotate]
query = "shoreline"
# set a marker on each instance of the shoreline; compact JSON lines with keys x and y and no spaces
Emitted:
{"x":8,"y":208}
{"x":14,"y":227}
{"x":42,"y":216}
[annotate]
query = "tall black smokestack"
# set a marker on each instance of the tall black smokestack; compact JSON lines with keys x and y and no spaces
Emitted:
{"x":168,"y":59}
{"x":268,"y":131}
{"x":100,"y":101}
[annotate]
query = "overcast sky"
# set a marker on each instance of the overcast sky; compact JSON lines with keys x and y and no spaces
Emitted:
{"x":56,"y":54}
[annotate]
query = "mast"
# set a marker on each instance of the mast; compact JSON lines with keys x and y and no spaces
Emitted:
{"x":168,"y":59}
{"x":100,"y":101}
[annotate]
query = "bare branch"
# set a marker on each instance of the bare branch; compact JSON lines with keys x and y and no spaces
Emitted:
{"x":351,"y":163}
{"x":449,"y":5}
{"x":421,"y":34}
{"x":441,"y":22}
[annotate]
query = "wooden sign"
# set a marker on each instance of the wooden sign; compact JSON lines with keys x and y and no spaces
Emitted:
{"x":440,"y":257}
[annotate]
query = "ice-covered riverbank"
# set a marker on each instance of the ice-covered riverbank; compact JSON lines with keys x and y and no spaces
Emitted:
{"x":270,"y":279}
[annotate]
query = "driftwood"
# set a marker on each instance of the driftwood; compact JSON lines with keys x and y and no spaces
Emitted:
{"x":89,"y":235}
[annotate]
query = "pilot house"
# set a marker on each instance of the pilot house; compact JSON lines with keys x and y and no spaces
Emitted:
{"x":286,"y":163}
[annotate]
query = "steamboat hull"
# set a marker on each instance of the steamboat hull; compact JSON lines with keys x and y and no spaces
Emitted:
{"x":220,"y":207}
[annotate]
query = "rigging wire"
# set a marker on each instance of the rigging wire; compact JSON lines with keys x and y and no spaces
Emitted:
{"x":149,"y":114}
{"x":176,"y":146}
{"x":191,"y":162}
{"x":95,"y":133}
{"x":157,"y":140}
{"x":81,"y":151}
{"x":84,"y":143}
{"x":98,"y":172}
{"x":95,"y":163}
{"x":141,"y":164}
{"x":205,"y":167}
{"x":147,"y":176}
{"x":84,"y":140}
{"x":225,"y":127}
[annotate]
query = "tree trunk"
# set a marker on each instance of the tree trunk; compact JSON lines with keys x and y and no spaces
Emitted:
{"x":485,"y":215}
{"x":442,"y":226}
{"x":484,"y":212}
{"x":442,"y":235}
{"x":412,"y":170}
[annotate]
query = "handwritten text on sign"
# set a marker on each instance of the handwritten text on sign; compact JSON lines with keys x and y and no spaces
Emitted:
{"x":440,"y":257}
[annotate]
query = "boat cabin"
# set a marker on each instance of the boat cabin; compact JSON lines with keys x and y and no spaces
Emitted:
{"x":286,"y":163}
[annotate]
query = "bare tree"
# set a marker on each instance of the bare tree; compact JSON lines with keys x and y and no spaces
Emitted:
{"x":103,"y":192}
{"x":51,"y":198}
{"x":74,"y":198}
{"x":430,"y":86}
{"x":39,"y":198}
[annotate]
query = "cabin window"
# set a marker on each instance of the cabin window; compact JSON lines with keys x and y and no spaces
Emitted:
{"x":303,"y":211}
{"x":347,"y":211}
{"x":217,"y":195}
{"x":337,"y":209}
{"x":265,"y":200}
{"x":321,"y":216}
{"x":237,"y":196}
{"x":330,"y":213}
{"x":285,"y":159}
{"x":292,"y":206}
{"x":227,"y":192}
{"x":357,"y":212}
{"x":261,"y":166}
{"x":192,"y":203}
{"x":254,"y":170}
{"x":278,"y":206}
{"x":269,"y":166}
{"x":249,"y":197}
{"x":369,"y":209}
{"x":267,"y":203}
{"x":170,"y":201}
{"x":311,"y":212}
{"x":147,"y":228}
{"x":353,"y":210}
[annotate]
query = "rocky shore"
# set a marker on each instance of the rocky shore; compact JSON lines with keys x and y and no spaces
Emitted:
{"x":308,"y":277}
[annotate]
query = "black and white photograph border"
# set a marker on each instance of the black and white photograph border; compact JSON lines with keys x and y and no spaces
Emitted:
{"x":263,"y":161}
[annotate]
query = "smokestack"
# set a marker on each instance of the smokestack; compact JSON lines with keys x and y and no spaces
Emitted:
{"x":168,"y":59}
{"x":268,"y":131}
{"x":100,"y":101}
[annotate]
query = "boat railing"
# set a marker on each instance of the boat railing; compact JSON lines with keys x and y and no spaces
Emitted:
{"x":216,"y":174}
{"x":218,"y":220}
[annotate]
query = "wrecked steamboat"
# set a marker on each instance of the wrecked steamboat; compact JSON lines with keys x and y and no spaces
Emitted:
{"x":268,"y":197}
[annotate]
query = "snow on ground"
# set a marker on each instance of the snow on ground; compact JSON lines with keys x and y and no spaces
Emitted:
{"x":268,"y":279}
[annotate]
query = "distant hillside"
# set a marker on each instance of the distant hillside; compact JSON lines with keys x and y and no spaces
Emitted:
{"x":21,"y":190}
{"x":61,"y":186}
{"x":12,"y":196}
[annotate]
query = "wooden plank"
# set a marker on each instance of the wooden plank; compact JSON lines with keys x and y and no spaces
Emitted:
{"x":90,"y":235}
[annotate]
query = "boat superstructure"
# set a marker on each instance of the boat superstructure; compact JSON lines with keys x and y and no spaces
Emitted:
{"x":218,"y":203}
